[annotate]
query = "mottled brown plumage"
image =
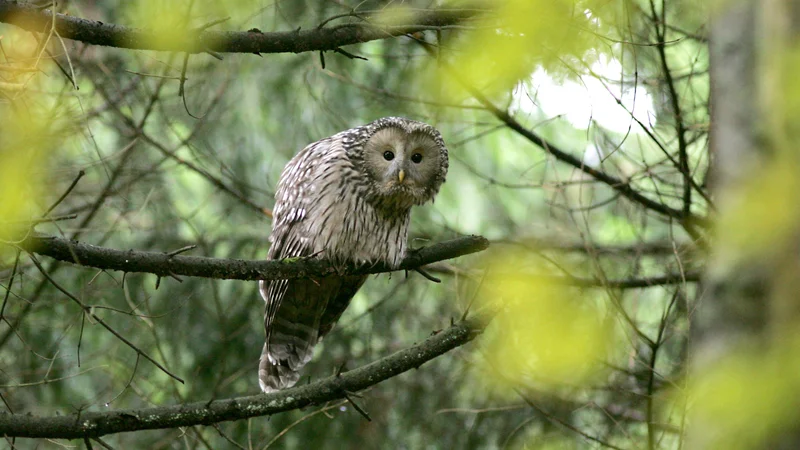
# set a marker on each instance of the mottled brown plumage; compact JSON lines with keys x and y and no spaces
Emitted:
{"x":347,"y":199}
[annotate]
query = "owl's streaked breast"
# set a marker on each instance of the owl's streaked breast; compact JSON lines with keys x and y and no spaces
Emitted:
{"x":344,"y":226}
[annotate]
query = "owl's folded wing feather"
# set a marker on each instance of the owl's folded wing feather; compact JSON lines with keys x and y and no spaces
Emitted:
{"x":294,"y":308}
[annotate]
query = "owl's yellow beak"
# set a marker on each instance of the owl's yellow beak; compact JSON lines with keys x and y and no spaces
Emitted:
{"x":401,"y":175}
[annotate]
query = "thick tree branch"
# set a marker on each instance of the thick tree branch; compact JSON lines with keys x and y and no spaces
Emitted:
{"x":164,"y":264}
{"x":95,"y":424}
{"x":93,"y":32}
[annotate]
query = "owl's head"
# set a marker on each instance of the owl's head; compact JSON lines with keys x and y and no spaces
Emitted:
{"x":404,"y":160}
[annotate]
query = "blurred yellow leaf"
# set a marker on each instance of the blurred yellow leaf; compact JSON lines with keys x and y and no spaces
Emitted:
{"x":18,"y":44}
{"x":765,"y":215}
{"x":743,"y":401}
{"x":27,"y":134}
{"x":394,"y":16}
{"x":20,"y":150}
{"x":543,"y":333}
{"x":165,"y":22}
{"x":519,"y":35}
{"x":170,"y":22}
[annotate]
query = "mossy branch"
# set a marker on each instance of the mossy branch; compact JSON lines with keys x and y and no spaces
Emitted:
{"x":32,"y":18}
{"x":166,"y":264}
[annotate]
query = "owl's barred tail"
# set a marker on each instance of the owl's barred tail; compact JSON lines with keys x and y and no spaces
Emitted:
{"x":273,"y":377}
{"x":289,"y":347}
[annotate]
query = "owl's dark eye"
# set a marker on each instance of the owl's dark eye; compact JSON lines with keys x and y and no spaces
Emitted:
{"x":387,"y":155}
{"x":416,"y":158}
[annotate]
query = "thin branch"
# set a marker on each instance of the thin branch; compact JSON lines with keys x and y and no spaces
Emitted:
{"x":427,"y":275}
{"x":43,"y":220}
{"x":691,"y":276}
{"x":203,"y":173}
{"x":358,"y":408}
{"x":72,"y":185}
{"x":654,"y":248}
{"x":561,"y":422}
{"x":227,"y":438}
{"x":633,"y":283}
{"x":168,"y":264}
{"x":101,"y":442}
{"x":10,"y":283}
{"x":618,"y":184}
{"x":94,"y":32}
{"x":680,"y":129}
{"x":100,"y":321}
{"x":95,"y":424}
{"x":302,"y":419}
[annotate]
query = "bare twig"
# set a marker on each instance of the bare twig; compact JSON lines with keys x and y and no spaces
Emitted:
{"x":621,"y":186}
{"x":10,"y":283}
{"x":66,"y":193}
{"x":680,"y":128}
{"x":181,"y":250}
{"x":357,"y":408}
{"x":428,"y":276}
{"x":88,"y":311}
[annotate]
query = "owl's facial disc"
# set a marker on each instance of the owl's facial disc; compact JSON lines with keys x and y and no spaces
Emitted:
{"x":403,"y":165}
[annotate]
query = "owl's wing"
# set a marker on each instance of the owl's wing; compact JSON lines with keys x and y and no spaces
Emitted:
{"x":295,"y":308}
{"x":350,"y":284}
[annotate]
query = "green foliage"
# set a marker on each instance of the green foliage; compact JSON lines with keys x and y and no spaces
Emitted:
{"x":543,"y":333}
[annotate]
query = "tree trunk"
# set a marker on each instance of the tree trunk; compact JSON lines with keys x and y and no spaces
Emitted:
{"x":749,"y":305}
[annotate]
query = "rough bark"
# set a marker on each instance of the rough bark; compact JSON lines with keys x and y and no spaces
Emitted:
{"x":750,"y":308}
{"x":165,"y":264}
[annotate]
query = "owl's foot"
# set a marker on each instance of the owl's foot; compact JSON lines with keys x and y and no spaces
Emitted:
{"x":341,"y":269}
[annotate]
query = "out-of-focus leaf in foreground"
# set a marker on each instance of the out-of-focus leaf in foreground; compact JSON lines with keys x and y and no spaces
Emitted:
{"x":513,"y":39}
{"x":167,"y":23}
{"x":765,"y":214}
{"x":750,"y":397}
{"x":173,"y":23}
{"x":28,"y":133}
{"x":544,"y":334}
{"x":21,"y":149}
{"x":744,"y":400}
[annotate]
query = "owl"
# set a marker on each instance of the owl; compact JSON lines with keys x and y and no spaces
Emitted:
{"x":347,"y":199}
